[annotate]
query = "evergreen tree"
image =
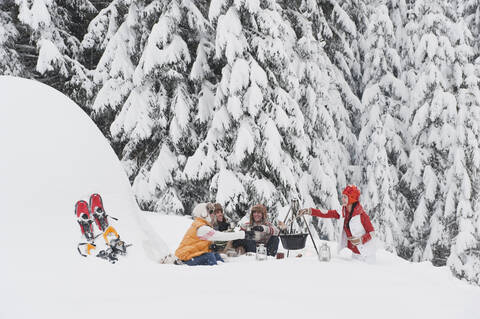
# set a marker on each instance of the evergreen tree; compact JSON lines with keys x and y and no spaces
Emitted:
{"x":433,"y":131}
{"x":402,"y":15}
{"x":118,"y":47}
{"x":381,"y":144}
{"x":256,"y":138}
{"x":462,"y":195}
{"x":154,"y":124}
{"x":348,"y":22}
{"x":327,"y":124}
{"x":469,"y":12}
{"x":55,"y":27}
{"x":462,"y":200}
{"x":103,"y":28}
{"x":10,"y":61}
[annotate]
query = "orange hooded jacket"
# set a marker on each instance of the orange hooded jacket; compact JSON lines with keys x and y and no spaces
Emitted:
{"x":192,"y":245}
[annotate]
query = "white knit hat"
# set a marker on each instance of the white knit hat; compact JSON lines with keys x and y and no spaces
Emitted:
{"x":202,"y":211}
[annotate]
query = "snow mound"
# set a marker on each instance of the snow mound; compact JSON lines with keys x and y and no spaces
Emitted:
{"x":53,"y":155}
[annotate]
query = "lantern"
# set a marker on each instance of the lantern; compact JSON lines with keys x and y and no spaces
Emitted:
{"x":324,"y":253}
{"x":261,"y":252}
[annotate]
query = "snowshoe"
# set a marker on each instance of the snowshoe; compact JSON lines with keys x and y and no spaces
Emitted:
{"x":108,"y":254}
{"x":99,"y":215}
{"x":108,"y":233}
{"x":117,"y":245}
{"x":84,"y":220}
{"x":85,"y":248}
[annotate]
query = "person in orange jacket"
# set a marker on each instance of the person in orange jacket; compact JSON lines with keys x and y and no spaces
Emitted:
{"x":196,"y":246}
{"x":357,"y":231}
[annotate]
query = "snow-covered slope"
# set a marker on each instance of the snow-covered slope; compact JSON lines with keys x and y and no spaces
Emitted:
{"x":306,"y":288}
{"x":52,"y":155}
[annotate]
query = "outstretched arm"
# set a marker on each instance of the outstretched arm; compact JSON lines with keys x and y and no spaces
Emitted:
{"x":318,"y":213}
{"x":208,"y":233}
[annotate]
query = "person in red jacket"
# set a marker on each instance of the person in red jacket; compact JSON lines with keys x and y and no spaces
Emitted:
{"x":357,"y":231}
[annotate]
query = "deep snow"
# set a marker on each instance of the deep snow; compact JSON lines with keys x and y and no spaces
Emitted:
{"x":53,"y":155}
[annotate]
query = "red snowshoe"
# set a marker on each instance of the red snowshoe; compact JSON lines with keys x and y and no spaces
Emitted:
{"x":83,"y":219}
{"x":99,"y":215}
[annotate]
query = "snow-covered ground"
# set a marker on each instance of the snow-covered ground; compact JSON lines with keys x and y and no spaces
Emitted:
{"x":53,"y":155}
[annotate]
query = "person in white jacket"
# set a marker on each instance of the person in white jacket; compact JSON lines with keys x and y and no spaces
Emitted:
{"x":196,"y":246}
{"x":357,"y":233}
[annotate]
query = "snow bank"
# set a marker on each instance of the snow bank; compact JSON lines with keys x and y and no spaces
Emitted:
{"x":52,"y":155}
{"x":303,"y":287}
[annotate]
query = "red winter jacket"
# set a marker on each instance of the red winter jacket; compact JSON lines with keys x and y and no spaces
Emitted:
{"x":363,"y":219}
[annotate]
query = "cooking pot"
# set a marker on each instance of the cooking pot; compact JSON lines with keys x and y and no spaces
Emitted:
{"x":294,"y":241}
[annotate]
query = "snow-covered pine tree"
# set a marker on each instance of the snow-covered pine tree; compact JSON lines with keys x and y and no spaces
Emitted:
{"x":327,"y":122}
{"x":469,"y":12}
{"x":256,"y":138}
{"x":55,"y":27}
{"x":398,"y":13}
{"x":434,"y":114}
{"x":406,"y":39}
{"x":200,"y":167}
{"x":381,"y":141}
{"x":155,"y":125}
{"x":103,"y":28}
{"x":112,"y":45}
{"x":10,"y":61}
{"x":462,"y":211}
{"x":462,"y":202}
{"x":348,"y":22}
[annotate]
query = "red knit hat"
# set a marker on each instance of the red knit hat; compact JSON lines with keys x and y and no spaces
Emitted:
{"x":352,"y":193}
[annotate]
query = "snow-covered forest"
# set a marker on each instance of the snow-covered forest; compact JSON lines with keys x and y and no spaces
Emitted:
{"x":247,"y":101}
